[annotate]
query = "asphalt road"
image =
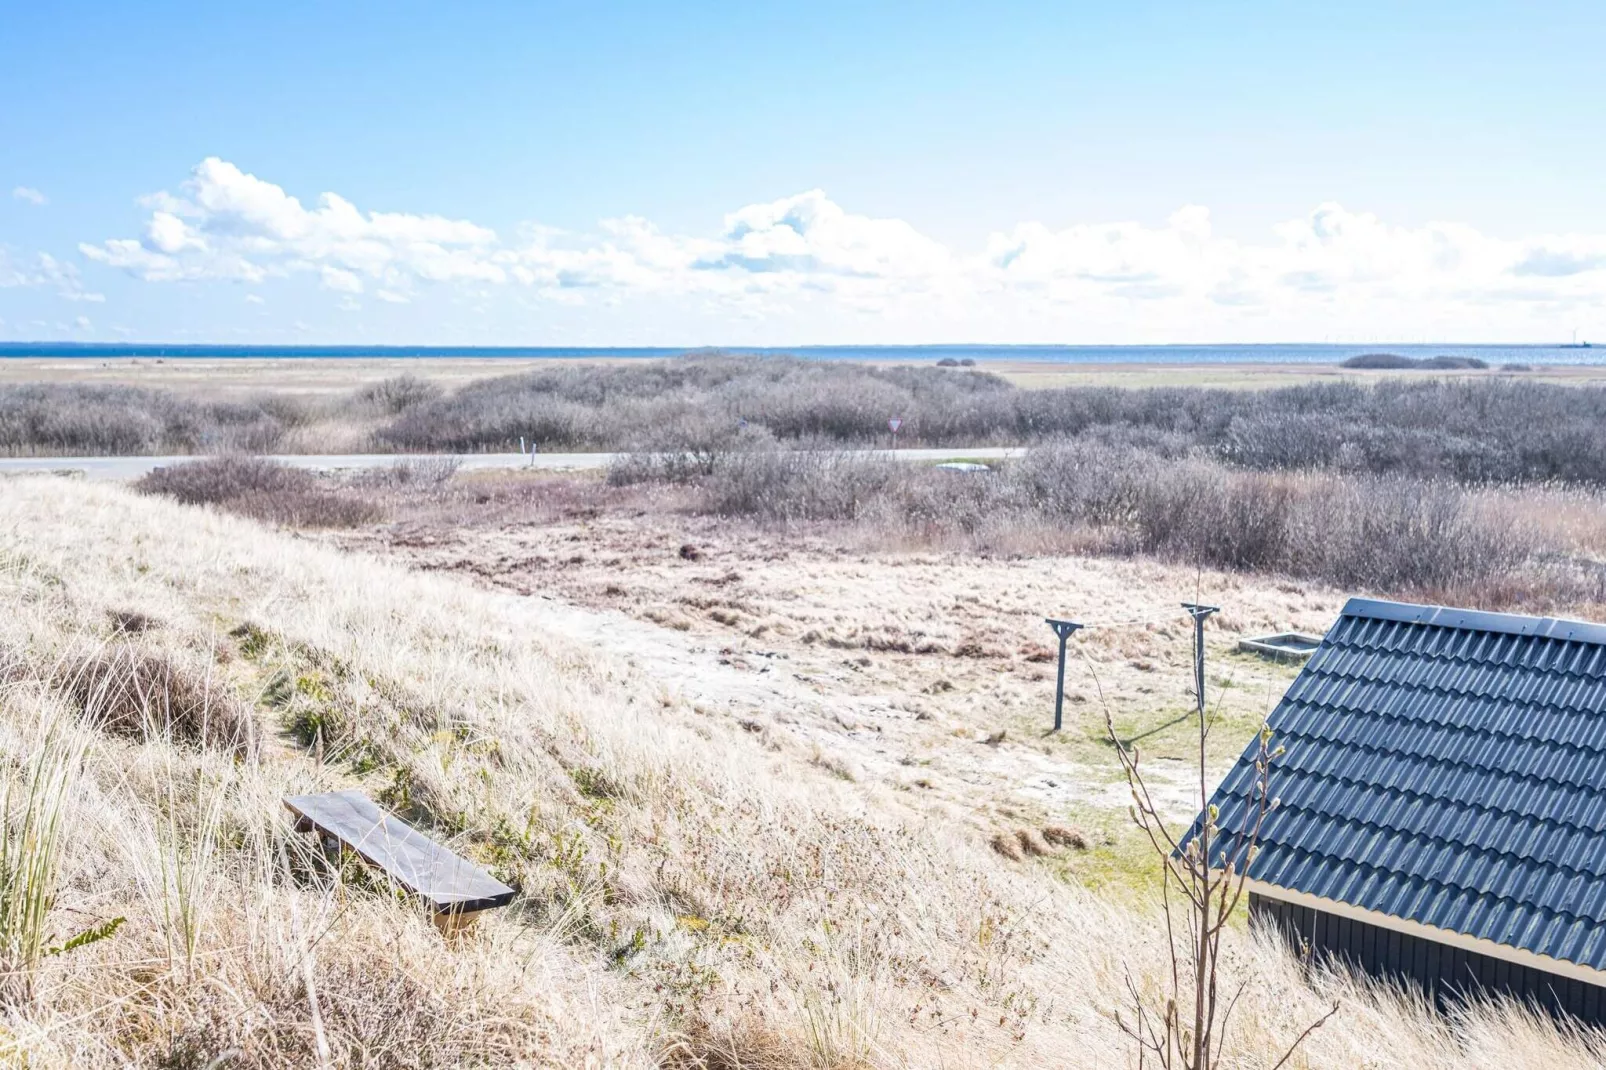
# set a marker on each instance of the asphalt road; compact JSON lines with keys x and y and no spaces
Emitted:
{"x":124,"y":468}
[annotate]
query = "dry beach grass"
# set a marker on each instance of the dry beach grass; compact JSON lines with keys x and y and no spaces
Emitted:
{"x":693,"y":893}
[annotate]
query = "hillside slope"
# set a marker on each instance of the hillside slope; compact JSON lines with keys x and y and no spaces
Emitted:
{"x":691,"y":893}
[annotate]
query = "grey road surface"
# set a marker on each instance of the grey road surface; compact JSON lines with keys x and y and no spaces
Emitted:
{"x":134,"y":467}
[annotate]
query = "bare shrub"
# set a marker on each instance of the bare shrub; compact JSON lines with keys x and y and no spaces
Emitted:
{"x":315,"y":508}
{"x":423,"y":472}
{"x":1204,"y":875}
{"x":646,"y":406}
{"x":263,"y":490}
{"x":219,"y":479}
{"x":1401,"y":534}
{"x":793,"y":485}
{"x":128,"y":690}
{"x":397,"y":394}
{"x":677,"y":415}
{"x":79,"y":419}
{"x":290,"y":410}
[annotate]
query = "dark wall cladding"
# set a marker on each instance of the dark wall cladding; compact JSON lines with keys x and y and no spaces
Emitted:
{"x":1447,"y":974}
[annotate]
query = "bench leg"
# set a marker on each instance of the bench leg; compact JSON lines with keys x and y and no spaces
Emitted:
{"x":455,"y":923}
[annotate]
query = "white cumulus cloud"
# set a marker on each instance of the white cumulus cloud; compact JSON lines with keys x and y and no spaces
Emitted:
{"x":226,"y":224}
{"x":805,"y":254}
{"x":29,"y":195}
{"x":44,"y":270}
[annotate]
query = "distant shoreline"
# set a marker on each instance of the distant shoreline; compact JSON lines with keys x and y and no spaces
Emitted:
{"x":1219,"y":353}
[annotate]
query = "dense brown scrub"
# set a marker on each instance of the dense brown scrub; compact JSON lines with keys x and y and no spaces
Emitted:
{"x":261,"y":489}
{"x":1393,"y":534}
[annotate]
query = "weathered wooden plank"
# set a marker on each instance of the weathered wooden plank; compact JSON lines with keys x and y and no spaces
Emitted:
{"x":446,"y":881}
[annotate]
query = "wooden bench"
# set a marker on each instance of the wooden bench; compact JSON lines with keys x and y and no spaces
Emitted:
{"x":454,"y":888}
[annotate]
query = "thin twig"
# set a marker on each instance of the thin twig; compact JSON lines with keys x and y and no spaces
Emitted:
{"x":1317,"y":1024}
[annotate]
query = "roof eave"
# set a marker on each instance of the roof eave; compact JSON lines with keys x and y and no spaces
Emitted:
{"x":1477,"y":944}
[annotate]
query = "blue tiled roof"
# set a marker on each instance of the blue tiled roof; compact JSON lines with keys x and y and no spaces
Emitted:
{"x":1447,"y":767}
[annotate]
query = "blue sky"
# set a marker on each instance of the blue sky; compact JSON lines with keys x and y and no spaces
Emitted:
{"x":766,"y":174}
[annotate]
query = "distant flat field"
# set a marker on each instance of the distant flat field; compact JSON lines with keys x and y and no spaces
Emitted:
{"x":1251,"y":376}
{"x":237,"y":375}
{"x":333,"y":375}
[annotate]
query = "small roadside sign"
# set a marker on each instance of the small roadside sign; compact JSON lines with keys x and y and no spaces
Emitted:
{"x":893,"y":424}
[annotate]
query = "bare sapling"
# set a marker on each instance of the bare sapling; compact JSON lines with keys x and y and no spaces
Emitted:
{"x":1204,"y":874}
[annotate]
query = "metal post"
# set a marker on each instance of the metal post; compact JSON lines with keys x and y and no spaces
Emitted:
{"x":1203,"y":964}
{"x":1199,"y":613}
{"x":1063,"y":629}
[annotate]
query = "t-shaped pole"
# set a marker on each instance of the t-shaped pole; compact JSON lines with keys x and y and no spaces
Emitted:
{"x":1063,"y":629}
{"x":1199,"y":613}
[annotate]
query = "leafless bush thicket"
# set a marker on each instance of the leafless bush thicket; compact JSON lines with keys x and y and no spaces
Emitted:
{"x":411,"y":472}
{"x":398,"y":393}
{"x":73,"y":420}
{"x":44,"y":419}
{"x":262,"y":489}
{"x":702,"y":398}
{"x":1487,"y":430}
{"x":1392,"y":533}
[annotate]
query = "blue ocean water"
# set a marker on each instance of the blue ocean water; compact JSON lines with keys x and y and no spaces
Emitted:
{"x":1312,"y":353}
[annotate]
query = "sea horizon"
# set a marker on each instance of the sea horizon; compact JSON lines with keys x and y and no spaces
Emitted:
{"x":1187,"y":353}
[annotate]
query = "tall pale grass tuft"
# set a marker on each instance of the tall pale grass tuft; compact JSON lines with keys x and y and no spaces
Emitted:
{"x":36,"y":819}
{"x":177,"y":863}
{"x":840,"y":1025}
